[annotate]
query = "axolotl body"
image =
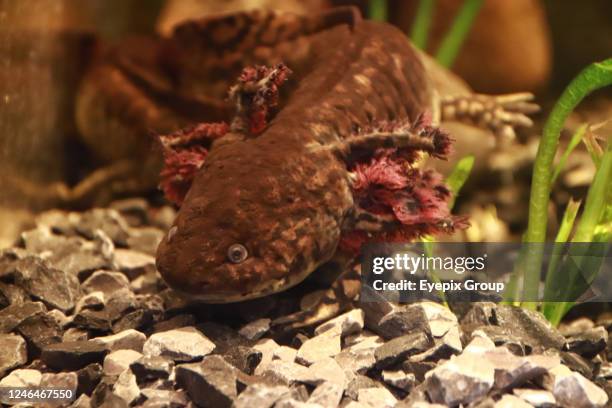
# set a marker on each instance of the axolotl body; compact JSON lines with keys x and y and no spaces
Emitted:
{"x":299,"y":178}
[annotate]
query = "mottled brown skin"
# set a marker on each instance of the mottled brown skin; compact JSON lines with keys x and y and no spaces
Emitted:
{"x":155,"y":85}
{"x":282,"y":194}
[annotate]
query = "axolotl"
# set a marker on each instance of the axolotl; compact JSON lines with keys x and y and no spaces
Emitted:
{"x":309,"y":170}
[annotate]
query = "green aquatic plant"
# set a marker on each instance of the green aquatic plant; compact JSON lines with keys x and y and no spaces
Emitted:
{"x":595,"y":76}
{"x":458,"y":177}
{"x":422,"y":23}
{"x":378,"y":10}
{"x":573,"y":143}
{"x":454,"y":182}
{"x":587,"y":258}
{"x":452,"y":42}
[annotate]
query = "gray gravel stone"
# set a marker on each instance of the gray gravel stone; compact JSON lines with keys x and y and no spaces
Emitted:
{"x":163,"y":217}
{"x":363,"y":340}
{"x":399,"y":348}
{"x":255,"y":329}
{"x":359,"y":361}
{"x":533,"y":328}
{"x":318,"y":348}
{"x":184,"y":344}
{"x":266,"y":347}
{"x":133,"y":263}
{"x":235,"y":349}
{"x":73,"y":355}
{"x":138,"y":319}
{"x":261,"y":395}
{"x":514,"y":341}
{"x":327,"y":394}
{"x":376,"y":397}
{"x":121,"y":302}
{"x":175,"y":322}
{"x":12,"y":294}
{"x":284,"y":371}
{"x":439,"y":317}
{"x":605,"y":371}
{"x":346,"y":324}
{"x":445,"y":346}
{"x":103,"y":219}
{"x":66,"y":381}
{"x":511,"y":401}
{"x":149,"y":282}
{"x":460,"y":380}
{"x":156,"y":398}
{"x":106,"y":282}
{"x":39,"y":330}
{"x":92,"y":300}
{"x":126,"y":387}
{"x":359,"y":382}
{"x":589,"y":343}
{"x":325,"y":370}
{"x":73,"y":255}
{"x":537,"y":398}
{"x":62,"y":320}
{"x":578,"y":363}
{"x":576,"y":327}
{"x":118,"y":361}
{"x":22,"y":377}
{"x":294,"y":403}
{"x":210,"y":383}
{"x":402,"y":320}
{"x":285,"y":353}
{"x":573,"y":389}
{"x":54,"y":287}
{"x":399,"y":379}
{"x":145,"y":240}
{"x":83,"y":401}
{"x":133,"y":210}
{"x":11,"y":316}
{"x":418,"y":368}
{"x":89,"y":377}
{"x":512,"y":371}
{"x":14,"y":352}
{"x":152,"y":368}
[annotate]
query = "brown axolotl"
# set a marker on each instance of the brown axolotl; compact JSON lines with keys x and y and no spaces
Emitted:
{"x":150,"y":85}
{"x":304,"y":175}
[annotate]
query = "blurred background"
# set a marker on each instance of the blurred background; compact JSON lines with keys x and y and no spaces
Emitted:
{"x":47,"y":45}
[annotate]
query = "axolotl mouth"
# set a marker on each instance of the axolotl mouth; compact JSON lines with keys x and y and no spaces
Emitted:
{"x":245,"y":283}
{"x":246,"y":271}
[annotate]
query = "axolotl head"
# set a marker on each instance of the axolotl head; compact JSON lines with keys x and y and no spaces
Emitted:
{"x":259,"y":217}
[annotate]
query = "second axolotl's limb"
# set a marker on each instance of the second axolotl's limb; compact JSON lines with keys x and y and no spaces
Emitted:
{"x":499,"y":113}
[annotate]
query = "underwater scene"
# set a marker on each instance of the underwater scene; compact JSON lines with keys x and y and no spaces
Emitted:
{"x":305,"y":203}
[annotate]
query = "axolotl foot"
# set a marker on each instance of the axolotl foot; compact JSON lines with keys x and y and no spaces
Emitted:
{"x":499,"y":113}
{"x":323,"y":305}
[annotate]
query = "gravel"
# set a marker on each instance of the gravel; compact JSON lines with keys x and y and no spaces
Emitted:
{"x":82,"y":307}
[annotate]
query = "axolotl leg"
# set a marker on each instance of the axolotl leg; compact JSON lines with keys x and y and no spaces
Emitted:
{"x":499,"y":113}
{"x":330,"y":302}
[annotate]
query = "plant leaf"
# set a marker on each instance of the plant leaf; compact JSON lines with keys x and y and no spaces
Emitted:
{"x":459,"y":176}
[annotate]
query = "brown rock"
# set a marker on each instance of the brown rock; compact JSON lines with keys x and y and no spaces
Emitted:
{"x":14,"y":352}
{"x":210,"y":383}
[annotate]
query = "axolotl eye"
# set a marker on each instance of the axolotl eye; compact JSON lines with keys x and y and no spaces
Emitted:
{"x":237,"y":253}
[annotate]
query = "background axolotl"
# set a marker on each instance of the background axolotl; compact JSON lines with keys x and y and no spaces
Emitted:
{"x":301,"y":177}
{"x":148,"y":85}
